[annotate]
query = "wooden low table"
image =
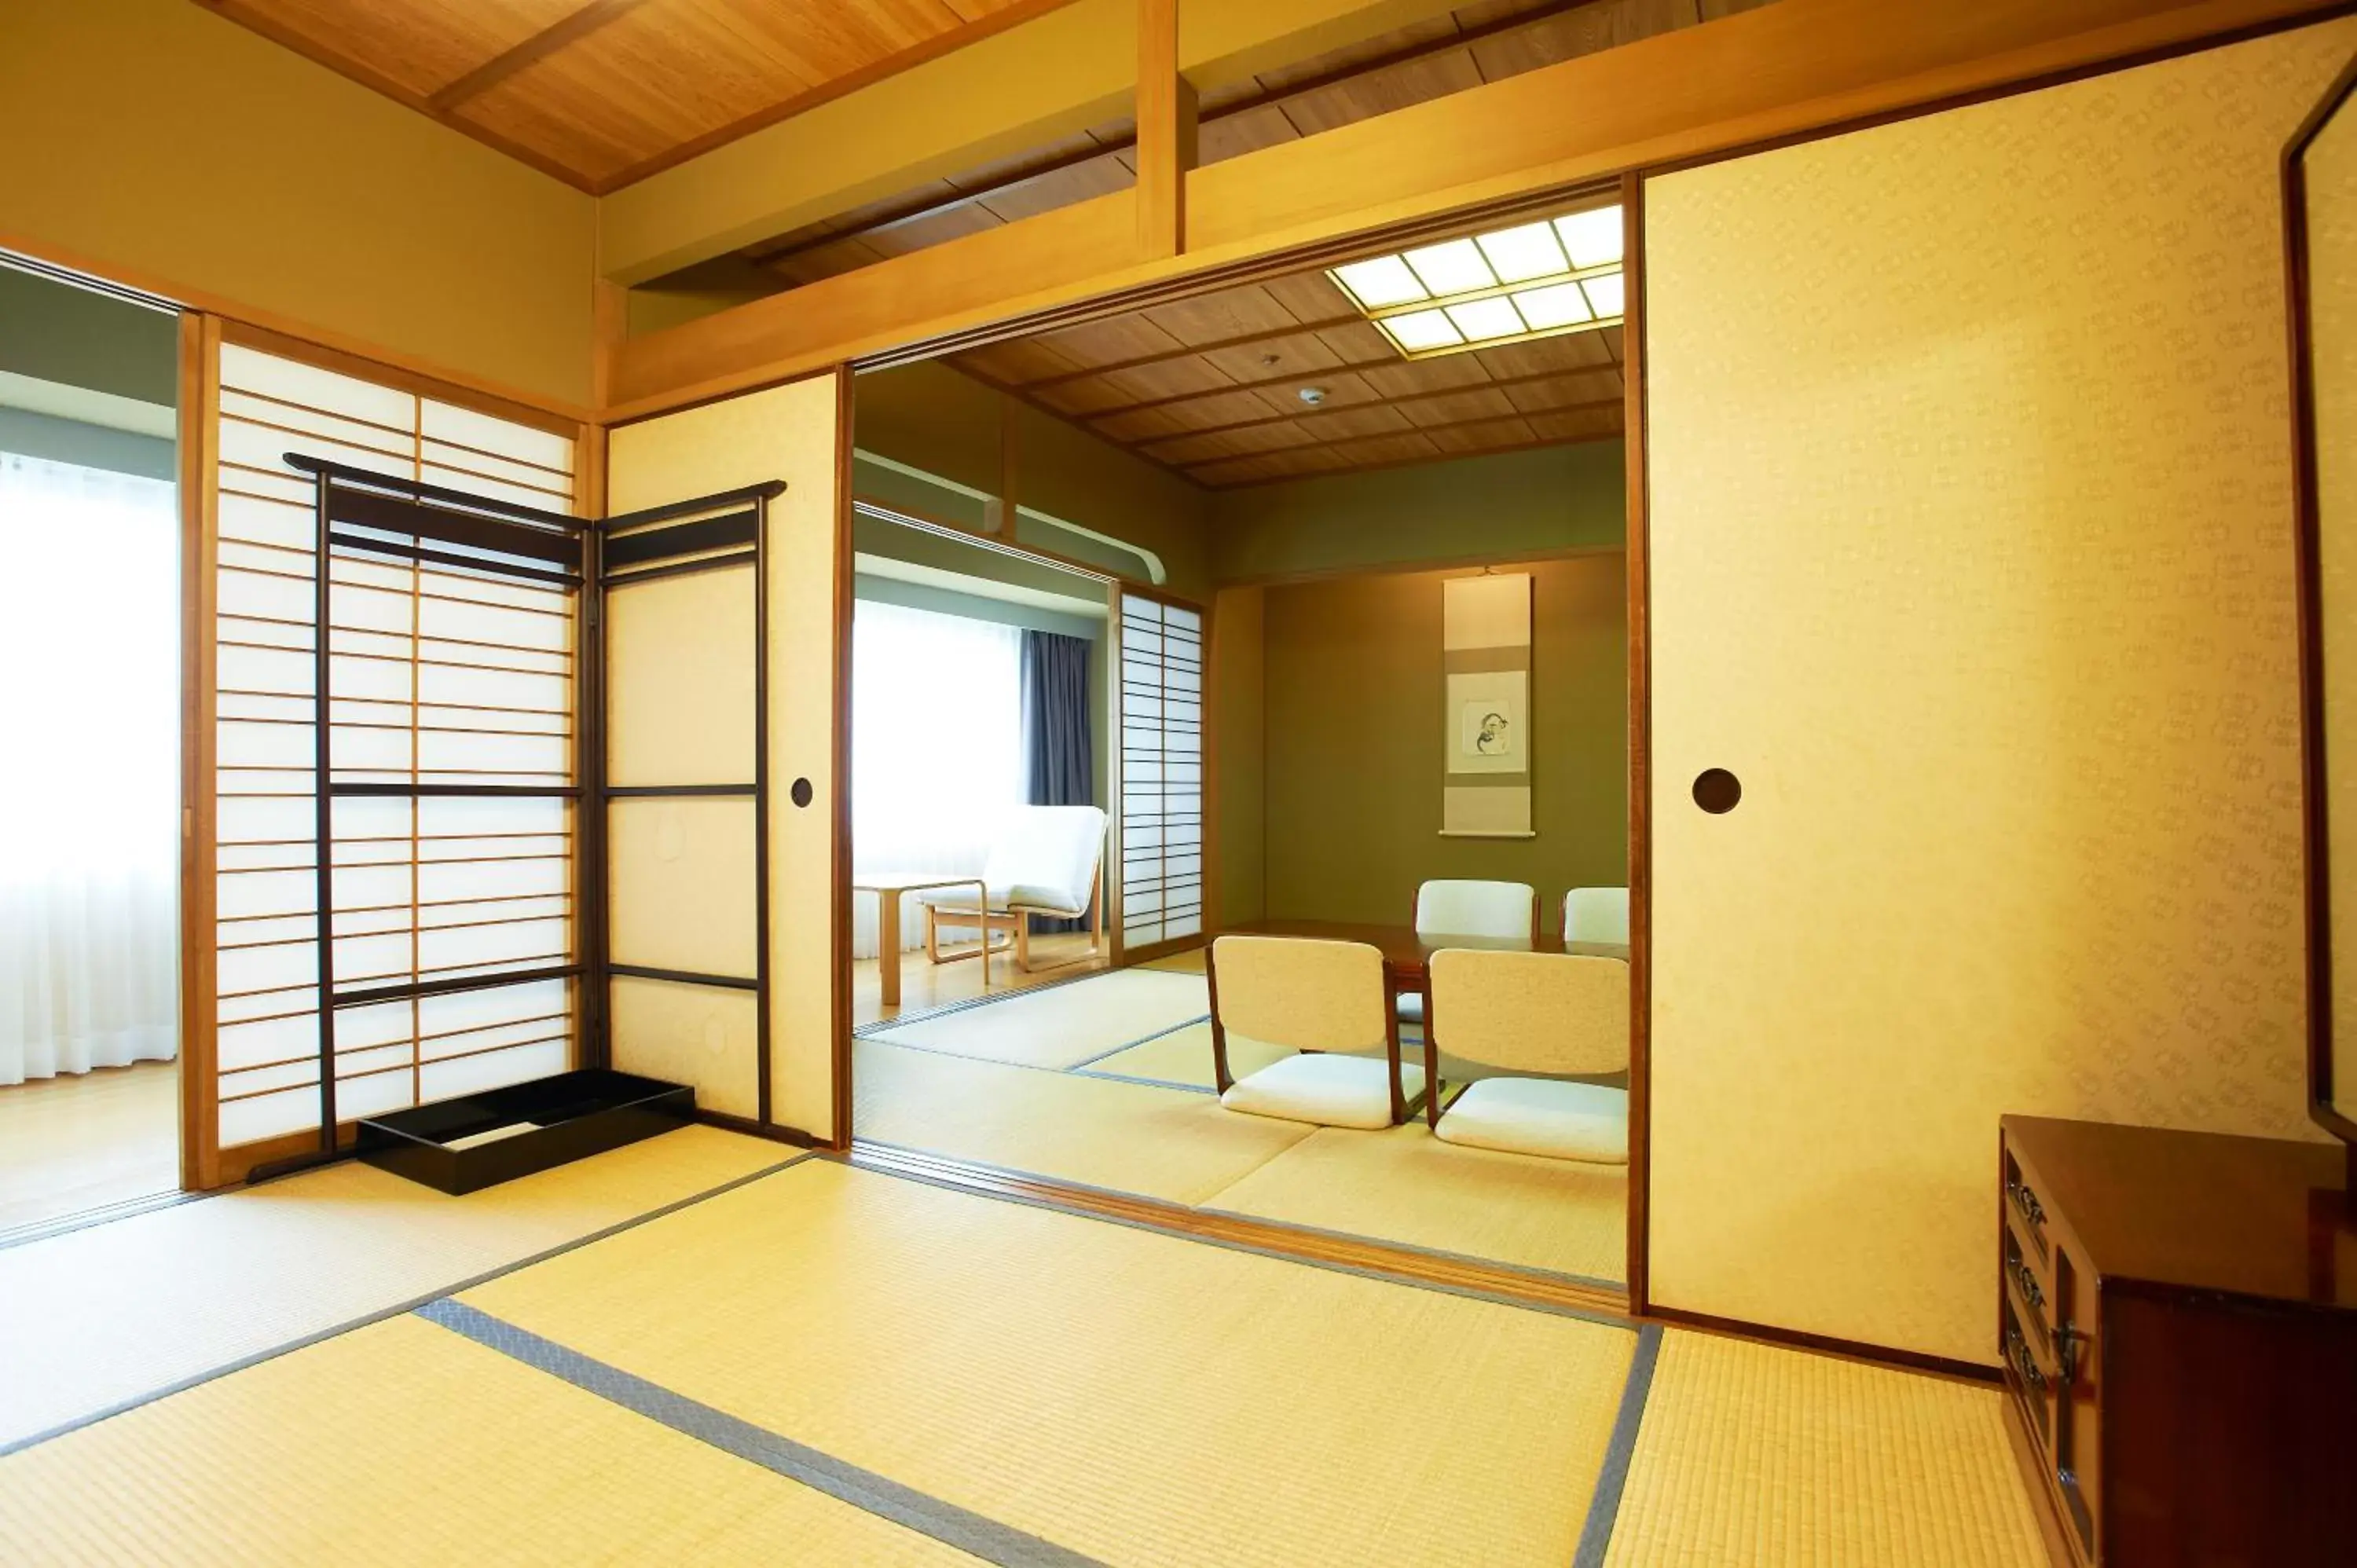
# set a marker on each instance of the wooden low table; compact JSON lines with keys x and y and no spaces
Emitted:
{"x":1407,"y":954}
{"x":888,"y":887}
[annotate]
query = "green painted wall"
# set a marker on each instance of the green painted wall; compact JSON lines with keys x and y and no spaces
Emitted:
{"x":934,"y":418}
{"x":1352,"y":732}
{"x":58,"y":333}
{"x":1238,"y":802}
{"x":1509,"y":506}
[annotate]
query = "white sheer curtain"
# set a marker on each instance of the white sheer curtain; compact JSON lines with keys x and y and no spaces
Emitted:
{"x":89,"y":768}
{"x":936,"y":748}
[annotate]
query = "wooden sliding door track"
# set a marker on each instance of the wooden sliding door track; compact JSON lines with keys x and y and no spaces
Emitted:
{"x":1320,"y":1249}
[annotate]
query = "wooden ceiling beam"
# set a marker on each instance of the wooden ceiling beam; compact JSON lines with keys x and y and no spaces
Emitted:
{"x":1427,"y":49}
{"x":556,"y":36}
{"x":1167,"y":128}
{"x":1144,"y":448}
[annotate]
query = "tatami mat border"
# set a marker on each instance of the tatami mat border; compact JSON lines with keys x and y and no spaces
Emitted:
{"x":410,"y":1303}
{"x":879,"y":1495}
{"x":1133,"y":1044}
{"x":1604,"y":1503}
{"x":866,"y":1031}
{"x":90,"y":1218}
{"x":1178,"y":1232}
{"x":1542,"y":1277}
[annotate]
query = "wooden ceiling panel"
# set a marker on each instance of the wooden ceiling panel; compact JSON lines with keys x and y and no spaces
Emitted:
{"x":1359,"y":344}
{"x":601,"y":92}
{"x":1580,"y":32}
{"x":1545,"y":356}
{"x":1413,"y":377}
{"x":1242,"y":442}
{"x":1350,"y":59}
{"x":1018,"y":361}
{"x":1117,"y":341}
{"x":926,"y":229}
{"x":1246,"y":130}
{"x":1576,"y":424}
{"x":1343,"y":423}
{"x":1484,"y":436}
{"x":1299,"y":356}
{"x":1211,"y":319}
{"x":1138,"y":425}
{"x":421,"y":45}
{"x":1311,"y":296}
{"x":1573,"y":391}
{"x":1459,"y":407}
{"x":1100,"y":176}
{"x":1225,"y":409}
{"x":1383,"y":91}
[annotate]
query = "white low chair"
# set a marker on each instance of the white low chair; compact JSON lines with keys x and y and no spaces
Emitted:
{"x":1596,"y":915}
{"x":1320,"y":998}
{"x":1531,"y":1012}
{"x":1046,"y":860}
{"x":1497,"y":911}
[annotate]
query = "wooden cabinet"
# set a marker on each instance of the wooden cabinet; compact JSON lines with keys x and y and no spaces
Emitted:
{"x":2177,"y":1314}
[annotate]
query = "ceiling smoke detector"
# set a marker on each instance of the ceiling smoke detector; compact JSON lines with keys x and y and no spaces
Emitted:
{"x":1313,"y":396}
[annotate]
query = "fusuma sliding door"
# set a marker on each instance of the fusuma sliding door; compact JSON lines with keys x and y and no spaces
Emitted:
{"x":688,"y":653}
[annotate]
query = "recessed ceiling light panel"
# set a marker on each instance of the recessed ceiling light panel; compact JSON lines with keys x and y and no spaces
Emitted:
{"x":1456,"y":267}
{"x":1384,"y":280}
{"x":1531,"y":280}
{"x":1518,"y":255}
{"x":1417,"y":330}
{"x":1593,"y":238}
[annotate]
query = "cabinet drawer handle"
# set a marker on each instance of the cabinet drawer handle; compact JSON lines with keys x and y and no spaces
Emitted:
{"x":2028,"y":1284}
{"x":2023,"y":1362}
{"x":2027,"y":1202}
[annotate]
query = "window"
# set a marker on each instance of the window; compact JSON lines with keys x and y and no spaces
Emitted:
{"x":1161,"y":772}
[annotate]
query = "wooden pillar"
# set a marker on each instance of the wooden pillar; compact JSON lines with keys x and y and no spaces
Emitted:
{"x":1166,"y":131}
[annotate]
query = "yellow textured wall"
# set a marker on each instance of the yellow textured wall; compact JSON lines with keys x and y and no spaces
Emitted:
{"x":156,"y":139}
{"x":1971,"y":520}
{"x":786,"y":432}
{"x":2329,"y":170}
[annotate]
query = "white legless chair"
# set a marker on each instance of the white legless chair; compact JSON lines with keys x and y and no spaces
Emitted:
{"x":1533,"y":1013}
{"x":1596,"y":915}
{"x":1497,"y":911}
{"x":1046,"y":860}
{"x":1320,"y":999}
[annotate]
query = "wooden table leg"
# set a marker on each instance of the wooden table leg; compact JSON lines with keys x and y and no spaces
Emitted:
{"x":887,"y":947}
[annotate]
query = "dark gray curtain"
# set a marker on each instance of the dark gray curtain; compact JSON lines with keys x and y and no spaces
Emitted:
{"x":1058,"y":755}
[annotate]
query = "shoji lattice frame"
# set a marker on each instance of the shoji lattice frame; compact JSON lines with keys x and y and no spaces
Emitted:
{"x":1160,"y":647}
{"x":234,"y":444}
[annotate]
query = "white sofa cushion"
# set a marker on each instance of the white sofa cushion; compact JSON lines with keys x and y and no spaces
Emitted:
{"x":1331,"y":1090}
{"x":1539,"y":1116}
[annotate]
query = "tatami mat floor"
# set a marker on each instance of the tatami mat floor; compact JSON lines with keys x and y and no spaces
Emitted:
{"x":95,"y":1316}
{"x":830,"y":1364}
{"x":1126,"y":1104}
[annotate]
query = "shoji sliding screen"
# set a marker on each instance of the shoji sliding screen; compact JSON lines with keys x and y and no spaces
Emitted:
{"x":451,"y":760}
{"x":1161,"y":772}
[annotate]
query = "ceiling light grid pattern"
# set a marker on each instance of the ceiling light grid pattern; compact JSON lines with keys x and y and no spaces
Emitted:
{"x":1534,"y":279}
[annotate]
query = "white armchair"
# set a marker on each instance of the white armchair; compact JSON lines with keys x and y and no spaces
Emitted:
{"x":1048,"y":860}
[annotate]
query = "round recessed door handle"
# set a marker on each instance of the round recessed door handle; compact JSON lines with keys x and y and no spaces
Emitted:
{"x":1716,"y":790}
{"x":801,"y":791}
